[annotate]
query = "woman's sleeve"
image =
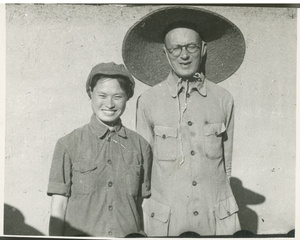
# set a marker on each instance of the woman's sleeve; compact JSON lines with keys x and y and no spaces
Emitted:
{"x":60,"y":172}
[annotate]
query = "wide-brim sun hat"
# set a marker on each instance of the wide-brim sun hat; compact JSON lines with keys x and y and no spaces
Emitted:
{"x":143,"y":54}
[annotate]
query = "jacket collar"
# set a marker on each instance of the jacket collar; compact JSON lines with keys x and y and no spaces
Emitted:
{"x":175,"y":84}
{"x":101,"y":129}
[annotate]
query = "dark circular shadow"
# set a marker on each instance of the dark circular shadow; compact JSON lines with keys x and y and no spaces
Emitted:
{"x":243,"y":234}
{"x":134,"y":235}
{"x":189,"y":235}
{"x":291,"y":233}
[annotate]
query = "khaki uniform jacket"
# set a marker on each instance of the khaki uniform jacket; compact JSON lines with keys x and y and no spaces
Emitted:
{"x":191,"y":134}
{"x":103,"y":173}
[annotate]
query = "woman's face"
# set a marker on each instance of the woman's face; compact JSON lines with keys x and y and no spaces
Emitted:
{"x":108,"y":100}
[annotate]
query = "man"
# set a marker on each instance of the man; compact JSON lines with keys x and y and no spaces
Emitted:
{"x":187,"y":119}
{"x":98,"y":171}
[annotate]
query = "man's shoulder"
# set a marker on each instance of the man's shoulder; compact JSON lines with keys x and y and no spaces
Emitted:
{"x":155,"y":91}
{"x":133,"y":135}
{"x":218,"y":90}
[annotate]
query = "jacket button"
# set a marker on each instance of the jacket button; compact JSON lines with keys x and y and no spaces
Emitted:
{"x":195,"y":213}
{"x":164,"y":136}
{"x":216,"y":133}
{"x":110,"y":184}
{"x":152,"y":214}
{"x":109,"y":161}
{"x":110,"y":232}
{"x":188,"y":95}
{"x":110,"y":208}
{"x":194,"y":183}
{"x":228,"y":213}
{"x":190,"y":123}
{"x":193,"y":153}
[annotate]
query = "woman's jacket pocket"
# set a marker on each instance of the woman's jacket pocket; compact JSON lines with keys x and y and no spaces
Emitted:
{"x":84,"y":179}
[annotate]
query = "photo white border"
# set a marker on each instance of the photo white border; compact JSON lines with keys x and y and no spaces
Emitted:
{"x":294,"y":4}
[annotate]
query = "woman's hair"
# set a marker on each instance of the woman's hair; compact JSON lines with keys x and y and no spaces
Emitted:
{"x":125,"y":84}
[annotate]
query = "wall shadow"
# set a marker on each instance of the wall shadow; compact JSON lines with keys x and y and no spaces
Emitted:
{"x":244,"y":197}
{"x":14,"y":223}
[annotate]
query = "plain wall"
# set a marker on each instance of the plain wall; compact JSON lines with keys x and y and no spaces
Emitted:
{"x":50,"y":50}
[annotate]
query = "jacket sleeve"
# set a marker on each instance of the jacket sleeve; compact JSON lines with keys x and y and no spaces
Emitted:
{"x":147,"y":166}
{"x":60,"y":172}
{"x":228,"y":140}
{"x":144,"y":124}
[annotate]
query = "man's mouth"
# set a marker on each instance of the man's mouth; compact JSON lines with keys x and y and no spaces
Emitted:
{"x":185,"y":64}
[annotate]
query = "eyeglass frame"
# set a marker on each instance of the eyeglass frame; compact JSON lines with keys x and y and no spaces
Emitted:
{"x":171,"y":50}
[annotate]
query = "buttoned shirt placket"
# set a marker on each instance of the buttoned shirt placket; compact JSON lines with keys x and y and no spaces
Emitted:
{"x":184,"y":97}
{"x":110,"y":188}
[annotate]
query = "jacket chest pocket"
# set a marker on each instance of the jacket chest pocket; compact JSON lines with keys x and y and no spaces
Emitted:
{"x":85,"y":177}
{"x":165,"y":143}
{"x":213,"y":139}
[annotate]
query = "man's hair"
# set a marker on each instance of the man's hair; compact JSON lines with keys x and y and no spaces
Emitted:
{"x":182,"y":24}
{"x":124,"y":83}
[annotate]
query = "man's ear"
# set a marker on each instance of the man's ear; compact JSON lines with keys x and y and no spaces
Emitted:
{"x":203,"y":49}
{"x":164,"y":49}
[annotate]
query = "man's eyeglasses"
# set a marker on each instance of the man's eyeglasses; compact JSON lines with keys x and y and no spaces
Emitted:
{"x":176,"y":51}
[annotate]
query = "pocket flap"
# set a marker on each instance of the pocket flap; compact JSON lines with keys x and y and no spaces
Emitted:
{"x":156,"y":210}
{"x":214,"y":129}
{"x":84,"y":167}
{"x":164,"y":132}
{"x":226,"y":208}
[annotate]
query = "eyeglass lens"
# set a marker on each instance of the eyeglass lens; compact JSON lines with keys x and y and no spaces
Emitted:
{"x":191,"y":48}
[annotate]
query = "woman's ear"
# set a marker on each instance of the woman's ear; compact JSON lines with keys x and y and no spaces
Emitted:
{"x":90,"y":92}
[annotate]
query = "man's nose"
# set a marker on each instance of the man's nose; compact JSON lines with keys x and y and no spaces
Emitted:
{"x":184,"y":53}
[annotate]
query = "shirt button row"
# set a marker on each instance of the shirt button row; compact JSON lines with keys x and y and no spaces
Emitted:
{"x":110,"y":184}
{"x":110,"y":208}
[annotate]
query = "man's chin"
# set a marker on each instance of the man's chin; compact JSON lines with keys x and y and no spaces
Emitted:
{"x":186,"y":75}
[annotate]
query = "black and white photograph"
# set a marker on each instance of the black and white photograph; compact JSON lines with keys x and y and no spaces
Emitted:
{"x":149,"y":120}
